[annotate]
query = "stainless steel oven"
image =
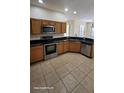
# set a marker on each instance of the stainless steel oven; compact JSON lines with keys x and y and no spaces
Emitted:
{"x":50,"y":50}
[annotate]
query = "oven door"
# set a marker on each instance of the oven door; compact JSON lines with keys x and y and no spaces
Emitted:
{"x":49,"y":49}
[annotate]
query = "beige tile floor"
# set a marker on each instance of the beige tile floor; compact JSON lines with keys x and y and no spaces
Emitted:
{"x":67,"y":73}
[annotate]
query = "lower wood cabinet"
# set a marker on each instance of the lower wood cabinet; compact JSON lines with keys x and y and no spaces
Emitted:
{"x":60,"y":48}
{"x":74,"y":46}
{"x":66,"y":46}
{"x":36,"y":53}
{"x":63,"y":47}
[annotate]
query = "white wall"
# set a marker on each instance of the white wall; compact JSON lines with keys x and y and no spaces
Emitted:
{"x":42,"y":13}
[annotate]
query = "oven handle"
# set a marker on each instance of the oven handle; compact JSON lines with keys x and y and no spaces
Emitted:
{"x":50,"y":44}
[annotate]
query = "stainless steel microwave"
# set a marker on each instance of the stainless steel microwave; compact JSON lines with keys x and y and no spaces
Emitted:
{"x":48,"y":29}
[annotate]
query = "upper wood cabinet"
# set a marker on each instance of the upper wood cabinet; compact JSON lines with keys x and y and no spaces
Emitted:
{"x":35,"y":26}
{"x":48,"y":22}
{"x":52,"y":23}
{"x":36,"y":53}
{"x":74,"y":46}
{"x":58,"y":28}
{"x":63,"y":27}
{"x":45,"y":22}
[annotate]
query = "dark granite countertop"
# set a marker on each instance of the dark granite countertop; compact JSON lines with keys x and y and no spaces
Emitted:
{"x":57,"y":40}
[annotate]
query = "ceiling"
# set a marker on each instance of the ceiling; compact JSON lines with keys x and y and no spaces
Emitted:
{"x":84,"y":8}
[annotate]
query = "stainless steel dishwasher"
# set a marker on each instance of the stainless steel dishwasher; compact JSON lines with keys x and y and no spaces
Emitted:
{"x":86,"y":50}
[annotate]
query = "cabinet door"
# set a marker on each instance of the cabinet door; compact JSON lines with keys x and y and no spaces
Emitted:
{"x":45,"y":22}
{"x":36,"y":53}
{"x":63,"y":27}
{"x":74,"y":46}
{"x":58,"y":27}
{"x":77,"y":46}
{"x":71,"y":46}
{"x":35,"y":26}
{"x":52,"y":23}
{"x":60,"y":48}
{"x":66,"y":46}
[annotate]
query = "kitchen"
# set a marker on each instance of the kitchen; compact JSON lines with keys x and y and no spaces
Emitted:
{"x":61,"y":47}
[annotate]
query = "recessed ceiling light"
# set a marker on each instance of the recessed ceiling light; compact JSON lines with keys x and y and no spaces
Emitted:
{"x":75,"y":12}
{"x":66,"y":9}
{"x":40,"y":1}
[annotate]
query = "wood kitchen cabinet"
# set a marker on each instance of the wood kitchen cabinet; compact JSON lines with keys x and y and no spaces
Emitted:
{"x":74,"y":46}
{"x":63,"y":27}
{"x":63,"y":47}
{"x":66,"y":46}
{"x":58,"y":28}
{"x":48,"y":23}
{"x":45,"y":22}
{"x":60,"y":47}
{"x":35,"y":26}
{"x":52,"y":23}
{"x":36,"y":53}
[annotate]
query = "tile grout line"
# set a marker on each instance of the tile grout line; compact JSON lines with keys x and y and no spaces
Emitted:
{"x":60,"y":79}
{"x":44,"y":76}
{"x":66,"y":75}
{"x":84,"y":78}
{"x":55,"y":69}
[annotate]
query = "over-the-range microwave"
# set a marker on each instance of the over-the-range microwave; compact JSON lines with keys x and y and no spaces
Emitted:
{"x":48,"y":29}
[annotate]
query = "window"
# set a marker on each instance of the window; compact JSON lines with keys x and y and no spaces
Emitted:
{"x":92,"y":32}
{"x":81,"y":31}
{"x":67,"y":31}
